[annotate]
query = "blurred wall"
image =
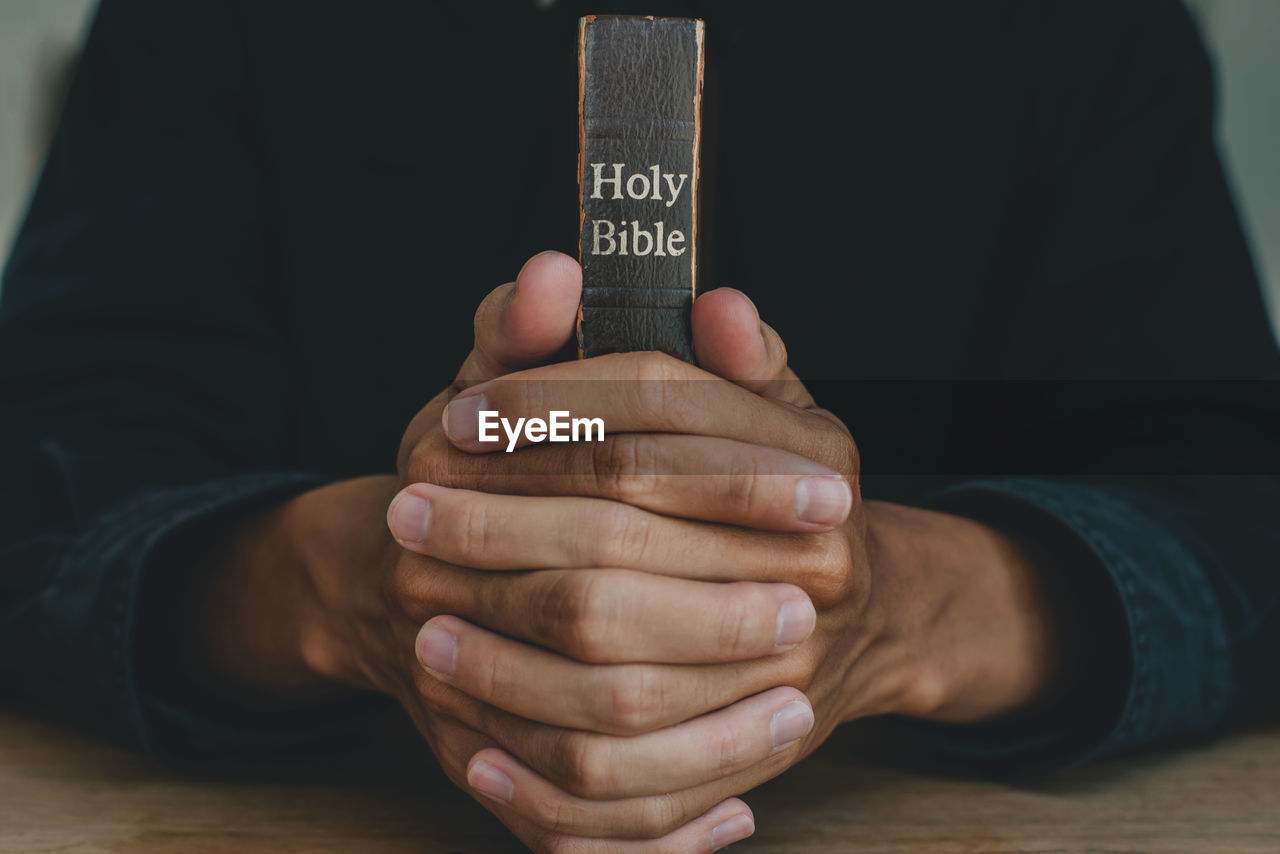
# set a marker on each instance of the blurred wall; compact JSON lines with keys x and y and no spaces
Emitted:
{"x":1244,"y":36}
{"x":36,"y":37}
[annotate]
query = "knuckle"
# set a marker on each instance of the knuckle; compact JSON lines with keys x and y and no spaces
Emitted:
{"x":405,"y":586}
{"x":652,"y":366}
{"x":740,"y":495}
{"x":834,"y":446}
{"x":828,"y":574}
{"x":493,"y":683}
{"x":741,"y":488}
{"x":612,"y":462}
{"x":841,"y":448}
{"x":493,"y":674}
{"x":588,"y":766}
{"x":925,"y":694}
{"x":631,"y":702}
{"x":409,"y":589}
{"x":622,"y":536}
{"x":575,"y":615}
{"x":730,"y":754}
{"x":520,"y":395}
{"x":660,"y":815}
{"x":473,"y":531}
{"x":619,"y":463}
{"x":658,"y":389}
{"x":736,"y":620}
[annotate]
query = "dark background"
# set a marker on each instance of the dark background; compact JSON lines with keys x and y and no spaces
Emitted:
{"x":40,"y":38}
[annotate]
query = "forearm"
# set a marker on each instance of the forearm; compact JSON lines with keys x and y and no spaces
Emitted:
{"x":252,"y":625}
{"x":1151,"y":643}
{"x":991,"y":640}
{"x":82,"y":582}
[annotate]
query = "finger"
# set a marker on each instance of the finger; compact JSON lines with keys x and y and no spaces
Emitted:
{"x":668,"y":821}
{"x":527,"y":321}
{"x":617,"y":699}
{"x":505,"y":532}
{"x":636,"y":393}
{"x":731,"y":341}
{"x":518,"y":325}
{"x":617,"y":616}
{"x":461,"y":750}
{"x":703,"y":750}
{"x":728,"y":822}
{"x":692,"y":477}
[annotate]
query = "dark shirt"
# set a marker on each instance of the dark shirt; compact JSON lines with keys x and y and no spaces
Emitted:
{"x":995,"y":237}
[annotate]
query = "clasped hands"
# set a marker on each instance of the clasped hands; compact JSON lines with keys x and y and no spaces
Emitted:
{"x":607,"y":642}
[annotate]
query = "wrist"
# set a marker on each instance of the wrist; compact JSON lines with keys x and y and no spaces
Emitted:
{"x":265,"y":612}
{"x":339,"y":540}
{"x":976,"y":636}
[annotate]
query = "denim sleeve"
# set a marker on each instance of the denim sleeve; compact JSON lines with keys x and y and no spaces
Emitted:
{"x":146,"y":381}
{"x":1148,"y":552}
{"x":73,"y":634}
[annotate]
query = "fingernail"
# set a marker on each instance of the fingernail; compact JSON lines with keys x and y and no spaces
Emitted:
{"x":437,"y":650}
{"x":796,"y":620}
{"x":490,"y":780}
{"x":408,"y":517}
{"x":823,"y":500}
{"x":734,"y":830}
{"x":790,"y":723}
{"x":462,"y":418}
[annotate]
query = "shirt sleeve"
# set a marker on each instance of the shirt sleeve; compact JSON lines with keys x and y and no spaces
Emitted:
{"x":144,"y":381}
{"x":1150,"y":474}
{"x":1186,"y":560}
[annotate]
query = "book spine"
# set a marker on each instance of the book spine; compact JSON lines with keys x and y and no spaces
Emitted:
{"x":640,"y":111}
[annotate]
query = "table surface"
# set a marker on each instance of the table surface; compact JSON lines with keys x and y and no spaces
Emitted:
{"x":63,"y":791}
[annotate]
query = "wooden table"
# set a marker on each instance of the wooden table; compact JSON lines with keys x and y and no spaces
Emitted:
{"x":61,"y":791}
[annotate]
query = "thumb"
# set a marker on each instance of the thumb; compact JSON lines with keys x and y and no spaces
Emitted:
{"x":731,"y":341}
{"x":525,"y":322}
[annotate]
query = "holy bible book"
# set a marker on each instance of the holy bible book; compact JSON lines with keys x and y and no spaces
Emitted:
{"x":639,"y":108}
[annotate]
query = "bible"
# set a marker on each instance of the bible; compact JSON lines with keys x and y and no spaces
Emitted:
{"x":639,"y":115}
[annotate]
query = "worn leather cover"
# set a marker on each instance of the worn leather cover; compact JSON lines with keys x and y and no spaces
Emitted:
{"x":640,"y":105}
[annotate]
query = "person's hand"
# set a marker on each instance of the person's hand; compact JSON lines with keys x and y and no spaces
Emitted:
{"x":669,"y":707}
{"x":316,"y":594}
{"x":547,"y":609}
